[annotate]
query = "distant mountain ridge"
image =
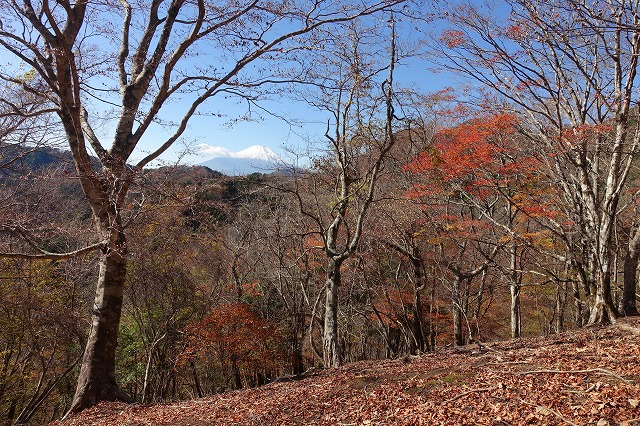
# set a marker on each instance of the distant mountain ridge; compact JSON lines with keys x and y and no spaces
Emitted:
{"x":255,"y":159}
{"x":22,"y":160}
{"x":16,"y":161}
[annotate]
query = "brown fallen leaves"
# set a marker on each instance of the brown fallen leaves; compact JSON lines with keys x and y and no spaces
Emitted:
{"x":586,"y":377}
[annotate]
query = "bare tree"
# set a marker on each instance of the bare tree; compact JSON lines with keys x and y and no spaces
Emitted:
{"x":357,"y":150}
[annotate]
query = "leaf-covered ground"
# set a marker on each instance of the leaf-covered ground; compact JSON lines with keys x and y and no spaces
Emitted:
{"x":587,"y":377}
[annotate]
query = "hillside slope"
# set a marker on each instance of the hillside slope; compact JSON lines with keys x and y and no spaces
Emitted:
{"x":586,"y":377}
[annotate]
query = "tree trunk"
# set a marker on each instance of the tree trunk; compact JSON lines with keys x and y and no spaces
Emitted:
{"x":458,"y":338}
{"x":297,"y":343}
{"x":629,"y":307}
{"x":433,"y":312}
{"x":196,"y":380}
{"x":577,"y":303}
{"x":416,"y":325}
{"x":515,"y":311}
{"x":330,"y":348}
{"x":97,"y":381}
{"x":561,"y":301}
{"x":602,"y":311}
{"x":516,"y":327}
{"x":235,"y":370}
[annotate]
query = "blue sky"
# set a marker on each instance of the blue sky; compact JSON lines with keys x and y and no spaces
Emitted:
{"x":264,"y":129}
{"x":308,"y":124}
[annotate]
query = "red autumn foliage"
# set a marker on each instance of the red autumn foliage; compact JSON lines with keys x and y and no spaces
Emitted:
{"x":481,"y":158}
{"x":236,"y":338}
{"x":453,"y":38}
{"x":516,"y":31}
{"x":576,"y":135}
{"x":460,"y":151}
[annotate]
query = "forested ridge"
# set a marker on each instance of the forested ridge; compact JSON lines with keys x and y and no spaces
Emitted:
{"x":418,"y":228}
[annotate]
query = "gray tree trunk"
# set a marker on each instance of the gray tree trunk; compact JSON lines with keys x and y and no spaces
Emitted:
{"x":331,"y":356}
{"x":629,"y":306}
{"x":602,"y":310}
{"x":514,"y":288}
{"x":458,"y":335}
{"x":97,"y":381}
{"x":516,"y":326}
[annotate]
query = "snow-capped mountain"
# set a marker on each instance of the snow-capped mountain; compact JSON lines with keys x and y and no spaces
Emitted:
{"x":255,"y":159}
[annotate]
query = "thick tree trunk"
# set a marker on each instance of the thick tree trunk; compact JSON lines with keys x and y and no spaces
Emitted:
{"x":97,"y":381}
{"x":330,"y":347}
{"x":602,"y":311}
{"x":629,"y":306}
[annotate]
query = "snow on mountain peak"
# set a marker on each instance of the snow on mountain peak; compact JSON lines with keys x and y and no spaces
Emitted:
{"x":255,"y":152}
{"x":258,"y":152}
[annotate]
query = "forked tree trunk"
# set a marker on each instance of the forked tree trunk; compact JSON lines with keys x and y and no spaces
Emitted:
{"x":330,"y":347}
{"x":602,"y":310}
{"x":97,"y":381}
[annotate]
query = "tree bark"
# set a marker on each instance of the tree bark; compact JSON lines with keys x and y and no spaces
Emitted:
{"x":514,"y":289}
{"x":417,"y":331}
{"x":516,"y":329}
{"x":629,"y":306}
{"x":561,"y":301}
{"x":577,"y":303}
{"x":602,"y":310}
{"x":418,"y":270}
{"x":330,"y":348}
{"x":97,"y":381}
{"x":457,"y":314}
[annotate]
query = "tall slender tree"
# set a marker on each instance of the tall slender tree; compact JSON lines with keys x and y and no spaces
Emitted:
{"x":360,"y":134}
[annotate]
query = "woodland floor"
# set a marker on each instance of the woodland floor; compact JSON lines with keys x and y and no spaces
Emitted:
{"x":587,"y":377}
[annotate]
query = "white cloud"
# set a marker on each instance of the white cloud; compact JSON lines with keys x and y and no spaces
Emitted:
{"x":213,"y":151}
{"x":256,"y":152}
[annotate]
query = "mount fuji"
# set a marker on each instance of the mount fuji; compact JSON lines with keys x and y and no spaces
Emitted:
{"x":255,"y":159}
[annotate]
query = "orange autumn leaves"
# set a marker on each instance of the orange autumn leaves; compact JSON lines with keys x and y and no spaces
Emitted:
{"x":460,"y":153}
{"x":480,"y":158}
